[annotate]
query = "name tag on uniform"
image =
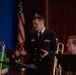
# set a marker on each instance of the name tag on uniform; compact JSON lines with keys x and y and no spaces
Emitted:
{"x":46,"y":40}
{"x":32,"y":40}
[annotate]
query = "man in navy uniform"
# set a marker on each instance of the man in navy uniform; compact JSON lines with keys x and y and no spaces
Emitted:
{"x":41,"y":46}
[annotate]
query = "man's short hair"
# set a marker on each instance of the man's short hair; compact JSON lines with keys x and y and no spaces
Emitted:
{"x":74,"y":39}
{"x":39,"y":17}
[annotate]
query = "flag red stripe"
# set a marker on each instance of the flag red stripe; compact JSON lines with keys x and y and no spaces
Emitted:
{"x":22,"y":21}
{"x":22,"y":26}
{"x":20,"y":33}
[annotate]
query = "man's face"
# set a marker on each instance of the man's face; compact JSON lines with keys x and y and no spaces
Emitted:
{"x":37,"y":24}
{"x":71,"y":46}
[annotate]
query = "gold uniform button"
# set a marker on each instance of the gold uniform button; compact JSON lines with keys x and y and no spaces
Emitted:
{"x":34,"y":59}
{"x":35,"y":48}
{"x":40,"y":60}
{"x":34,"y":53}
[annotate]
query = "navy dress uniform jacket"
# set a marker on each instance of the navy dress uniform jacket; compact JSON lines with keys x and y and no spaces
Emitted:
{"x":47,"y":42}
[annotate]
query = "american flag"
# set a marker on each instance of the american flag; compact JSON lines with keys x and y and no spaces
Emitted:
{"x":21,"y":23}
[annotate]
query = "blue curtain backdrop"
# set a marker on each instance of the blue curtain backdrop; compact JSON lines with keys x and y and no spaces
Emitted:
{"x":8,"y":23}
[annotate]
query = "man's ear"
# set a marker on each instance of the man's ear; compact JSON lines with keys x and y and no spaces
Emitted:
{"x":42,"y":22}
{"x":74,"y":45}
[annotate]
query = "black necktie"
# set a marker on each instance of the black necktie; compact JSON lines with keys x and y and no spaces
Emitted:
{"x":40,"y":35}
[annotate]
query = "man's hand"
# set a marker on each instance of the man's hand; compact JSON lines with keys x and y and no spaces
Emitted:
{"x":23,"y":52}
{"x":45,"y":53}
